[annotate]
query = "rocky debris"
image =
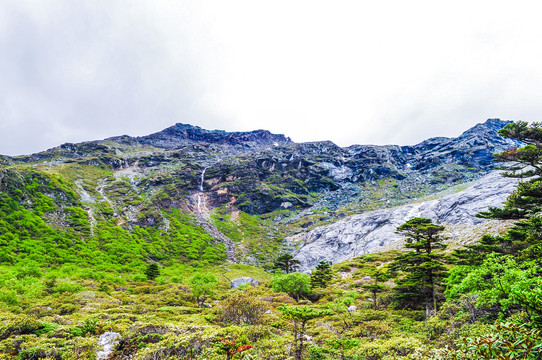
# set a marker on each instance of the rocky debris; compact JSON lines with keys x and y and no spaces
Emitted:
{"x":373,"y":231}
{"x":235,"y":283}
{"x":107,"y":341}
{"x":217,"y":235}
{"x":366,"y":278}
{"x":352,"y":309}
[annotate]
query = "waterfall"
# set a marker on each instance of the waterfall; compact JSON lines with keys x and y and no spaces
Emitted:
{"x":202,"y":178}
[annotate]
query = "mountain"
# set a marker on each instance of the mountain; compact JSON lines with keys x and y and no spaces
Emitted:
{"x":245,"y":190}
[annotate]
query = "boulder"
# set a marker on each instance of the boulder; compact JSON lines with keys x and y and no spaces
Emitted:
{"x":107,"y":341}
{"x":235,"y":283}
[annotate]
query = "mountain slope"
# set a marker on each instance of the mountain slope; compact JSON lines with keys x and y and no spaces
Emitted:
{"x":375,"y":231}
{"x":255,"y":187}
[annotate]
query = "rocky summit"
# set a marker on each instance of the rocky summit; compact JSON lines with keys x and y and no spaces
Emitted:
{"x":251,"y":190}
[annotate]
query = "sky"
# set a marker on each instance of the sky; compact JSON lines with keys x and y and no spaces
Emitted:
{"x":353,"y":72}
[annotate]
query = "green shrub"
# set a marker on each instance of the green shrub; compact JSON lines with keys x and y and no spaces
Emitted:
{"x":240,"y":308}
{"x":67,"y":287}
{"x":9,"y":297}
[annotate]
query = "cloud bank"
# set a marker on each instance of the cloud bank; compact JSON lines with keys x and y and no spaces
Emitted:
{"x":350,"y":71}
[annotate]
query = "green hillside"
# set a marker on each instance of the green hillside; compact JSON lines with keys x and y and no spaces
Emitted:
{"x":77,"y":262}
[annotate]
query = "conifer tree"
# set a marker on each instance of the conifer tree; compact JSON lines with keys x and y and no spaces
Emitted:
{"x":152,"y":272}
{"x":321,"y":276}
{"x":521,"y":162}
{"x":299,"y":316}
{"x":375,"y":288}
{"x":423,"y":266}
{"x":286,"y":263}
{"x":524,"y":162}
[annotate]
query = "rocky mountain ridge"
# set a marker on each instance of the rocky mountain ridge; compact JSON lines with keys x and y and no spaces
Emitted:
{"x":283,"y":187}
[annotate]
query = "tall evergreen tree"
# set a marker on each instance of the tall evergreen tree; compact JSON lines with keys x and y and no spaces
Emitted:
{"x":299,"y":316}
{"x":423,"y":267}
{"x":321,"y":276}
{"x":523,"y":162}
{"x":286,"y":263}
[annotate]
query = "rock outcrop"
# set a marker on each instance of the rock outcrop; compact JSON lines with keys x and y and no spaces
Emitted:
{"x":235,"y":283}
{"x":107,"y":341}
{"x":375,"y":230}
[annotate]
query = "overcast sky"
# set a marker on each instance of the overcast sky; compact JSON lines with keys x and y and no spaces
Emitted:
{"x":354,"y":72}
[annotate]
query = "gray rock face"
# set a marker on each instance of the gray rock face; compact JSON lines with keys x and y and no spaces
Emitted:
{"x":370,"y":232}
{"x":107,"y":341}
{"x":185,"y":134}
{"x":235,"y":283}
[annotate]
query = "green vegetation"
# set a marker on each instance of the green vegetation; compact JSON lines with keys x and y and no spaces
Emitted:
{"x":255,"y":236}
{"x":295,"y":284}
{"x":300,"y":316}
{"x":55,"y":229}
{"x":152,"y":272}
{"x":203,"y":286}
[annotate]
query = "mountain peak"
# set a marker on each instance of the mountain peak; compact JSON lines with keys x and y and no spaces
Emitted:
{"x":182,"y":134}
{"x":490,"y":125}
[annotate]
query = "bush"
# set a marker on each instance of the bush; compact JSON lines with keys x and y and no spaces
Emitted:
{"x":502,"y":341}
{"x":67,"y":286}
{"x":9,"y":297}
{"x":295,"y":284}
{"x":20,"y":326}
{"x":203,"y":286}
{"x":241,"y":309}
{"x":91,"y":326}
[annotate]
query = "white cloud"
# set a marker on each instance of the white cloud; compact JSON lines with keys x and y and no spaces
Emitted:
{"x":348,"y":71}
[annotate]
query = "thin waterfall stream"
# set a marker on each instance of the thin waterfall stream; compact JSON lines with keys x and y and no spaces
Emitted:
{"x":202,"y":178}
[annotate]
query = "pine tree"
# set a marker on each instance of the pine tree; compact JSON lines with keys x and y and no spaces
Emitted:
{"x":286,"y":263}
{"x":375,"y":288}
{"x":521,"y":162}
{"x":422,"y":267}
{"x":525,"y":162}
{"x":321,"y":276}
{"x":152,"y":272}
{"x":299,"y":316}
